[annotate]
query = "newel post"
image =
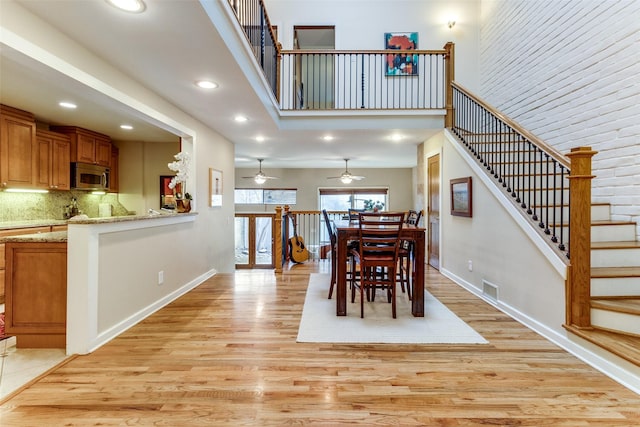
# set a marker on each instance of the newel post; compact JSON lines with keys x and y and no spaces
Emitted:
{"x":579,"y":279}
{"x":277,"y":244}
{"x":449,"y":76}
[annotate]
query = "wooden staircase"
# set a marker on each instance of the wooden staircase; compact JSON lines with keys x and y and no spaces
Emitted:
{"x":615,"y":286}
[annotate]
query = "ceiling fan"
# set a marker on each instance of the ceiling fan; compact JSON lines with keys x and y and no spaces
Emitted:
{"x":260,"y":177}
{"x":346,"y":177}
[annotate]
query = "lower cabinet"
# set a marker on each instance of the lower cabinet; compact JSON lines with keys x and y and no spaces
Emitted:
{"x":36,"y":293}
{"x":15,"y":232}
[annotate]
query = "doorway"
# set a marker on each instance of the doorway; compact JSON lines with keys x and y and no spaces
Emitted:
{"x":314,"y":73}
{"x":254,"y":244}
{"x":433,"y":210}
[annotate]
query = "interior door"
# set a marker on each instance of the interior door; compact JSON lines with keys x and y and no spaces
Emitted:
{"x":433,"y":210}
{"x":314,"y":74}
{"x":254,"y":242}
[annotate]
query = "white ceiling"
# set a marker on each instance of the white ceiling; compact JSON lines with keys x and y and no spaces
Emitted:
{"x":167,"y":48}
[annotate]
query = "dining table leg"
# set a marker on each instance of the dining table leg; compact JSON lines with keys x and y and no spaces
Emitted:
{"x":417,"y":302}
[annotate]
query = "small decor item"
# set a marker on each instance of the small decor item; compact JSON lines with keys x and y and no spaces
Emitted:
{"x":179,"y":182}
{"x":371,"y":206}
{"x":461,"y":197}
{"x":215,"y":187}
{"x":401,"y":64}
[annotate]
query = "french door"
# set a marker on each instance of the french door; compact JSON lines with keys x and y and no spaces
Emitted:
{"x":254,"y":242}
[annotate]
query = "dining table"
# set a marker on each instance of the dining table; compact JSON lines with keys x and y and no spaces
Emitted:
{"x":347,"y":231}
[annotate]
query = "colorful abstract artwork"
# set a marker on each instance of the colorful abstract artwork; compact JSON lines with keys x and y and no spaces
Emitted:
{"x":401,"y":64}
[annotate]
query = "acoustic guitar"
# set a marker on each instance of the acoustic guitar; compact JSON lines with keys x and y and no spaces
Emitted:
{"x":298,"y":252}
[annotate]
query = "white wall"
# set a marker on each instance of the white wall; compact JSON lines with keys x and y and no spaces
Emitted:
{"x":568,"y":72}
{"x":362,"y":24}
{"x":501,"y":252}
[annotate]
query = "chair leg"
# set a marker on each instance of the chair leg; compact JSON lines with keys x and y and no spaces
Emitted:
{"x":334,"y":272}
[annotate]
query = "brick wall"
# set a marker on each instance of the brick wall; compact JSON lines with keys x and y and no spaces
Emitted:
{"x":569,"y":72}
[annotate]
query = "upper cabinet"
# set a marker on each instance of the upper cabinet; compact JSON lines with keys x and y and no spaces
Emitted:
{"x":54,"y":167}
{"x":18,"y":148}
{"x":87,"y":146}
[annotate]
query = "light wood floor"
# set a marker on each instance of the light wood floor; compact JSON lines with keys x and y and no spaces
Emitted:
{"x":226,"y":355}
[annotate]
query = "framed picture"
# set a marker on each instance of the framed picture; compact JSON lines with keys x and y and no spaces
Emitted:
{"x":401,"y":64}
{"x":461,"y":197}
{"x":215,"y":187}
{"x":167,"y":198}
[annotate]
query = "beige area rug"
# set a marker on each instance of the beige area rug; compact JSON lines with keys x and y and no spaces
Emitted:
{"x":319,"y":322}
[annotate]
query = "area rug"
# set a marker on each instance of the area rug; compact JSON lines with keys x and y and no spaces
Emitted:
{"x":319,"y":322}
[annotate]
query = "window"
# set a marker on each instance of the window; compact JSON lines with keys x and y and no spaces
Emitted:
{"x":265,"y":196}
{"x":356,"y":198}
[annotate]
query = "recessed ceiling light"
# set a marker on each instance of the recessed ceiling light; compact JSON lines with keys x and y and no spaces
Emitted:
{"x":126,"y":127}
{"x":259,"y":138}
{"x":240,"y":119}
{"x":396,"y":137}
{"x":206,"y":84}
{"x":327,"y":138}
{"x":69,"y":105}
{"x":133,"y":6}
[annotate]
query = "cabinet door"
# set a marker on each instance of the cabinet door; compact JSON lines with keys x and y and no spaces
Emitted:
{"x":17,"y":149}
{"x":86,"y":149}
{"x":103,"y":152}
{"x":61,"y":164}
{"x":42,"y":172}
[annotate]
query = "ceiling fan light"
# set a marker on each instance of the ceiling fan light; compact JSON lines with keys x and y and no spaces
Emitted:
{"x":346,"y":179}
{"x":260,"y":179}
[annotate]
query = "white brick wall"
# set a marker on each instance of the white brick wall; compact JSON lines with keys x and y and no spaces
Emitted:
{"x":569,"y":72}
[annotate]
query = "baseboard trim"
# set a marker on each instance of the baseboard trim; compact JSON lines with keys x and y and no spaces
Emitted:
{"x":615,"y":367}
{"x":109,"y":334}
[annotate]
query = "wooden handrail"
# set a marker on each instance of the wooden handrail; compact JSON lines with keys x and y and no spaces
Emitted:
{"x":360,"y":52}
{"x":564,"y":160}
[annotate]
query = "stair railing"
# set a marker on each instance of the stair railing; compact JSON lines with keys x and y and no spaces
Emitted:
{"x":552,"y":190}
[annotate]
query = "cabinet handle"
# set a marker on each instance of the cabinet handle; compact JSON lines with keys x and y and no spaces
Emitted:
{"x":4,"y":184}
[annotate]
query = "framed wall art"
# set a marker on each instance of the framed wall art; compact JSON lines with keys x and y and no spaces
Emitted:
{"x":461,"y":197}
{"x":215,"y":187}
{"x":167,"y":195}
{"x":401,"y":64}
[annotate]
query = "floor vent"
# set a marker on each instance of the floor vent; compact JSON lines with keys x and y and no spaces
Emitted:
{"x":490,"y":290}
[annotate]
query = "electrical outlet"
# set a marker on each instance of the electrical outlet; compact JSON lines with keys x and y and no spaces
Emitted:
{"x":470,"y":265}
{"x":160,"y":277}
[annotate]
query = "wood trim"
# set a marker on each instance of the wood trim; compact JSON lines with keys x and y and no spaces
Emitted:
{"x":579,"y":286}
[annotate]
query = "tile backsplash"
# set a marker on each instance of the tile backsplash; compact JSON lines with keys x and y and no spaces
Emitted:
{"x":35,"y":206}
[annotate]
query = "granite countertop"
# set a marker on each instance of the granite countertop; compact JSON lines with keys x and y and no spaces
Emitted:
{"x":112,"y":219}
{"x":8,"y":225}
{"x":53,"y":237}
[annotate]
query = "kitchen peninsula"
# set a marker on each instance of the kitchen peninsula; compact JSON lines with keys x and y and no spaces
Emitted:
{"x":116,"y":271}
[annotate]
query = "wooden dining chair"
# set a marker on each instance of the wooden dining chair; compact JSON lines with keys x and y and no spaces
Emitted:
{"x":377,"y":256}
{"x":406,"y":268}
{"x":333,"y":240}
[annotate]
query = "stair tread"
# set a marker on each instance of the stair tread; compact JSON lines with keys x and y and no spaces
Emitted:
{"x":624,"y":346}
{"x":604,"y":272}
{"x":632,"y":244}
{"x":629,"y":305}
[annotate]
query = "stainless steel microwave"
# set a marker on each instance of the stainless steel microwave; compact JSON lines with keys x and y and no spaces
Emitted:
{"x":85,"y":176}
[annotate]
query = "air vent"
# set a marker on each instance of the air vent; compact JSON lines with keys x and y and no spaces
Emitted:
{"x":490,"y":290}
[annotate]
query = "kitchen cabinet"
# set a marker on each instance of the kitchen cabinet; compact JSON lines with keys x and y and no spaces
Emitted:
{"x":87,"y":146}
{"x":114,"y":185}
{"x":13,"y":232}
{"x":18,"y":148}
{"x":36,"y":293}
{"x":54,"y":160}
{"x":19,"y":232}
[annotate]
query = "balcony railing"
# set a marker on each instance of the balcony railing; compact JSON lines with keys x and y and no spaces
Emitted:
{"x":351,"y":80}
{"x":346,"y":80}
